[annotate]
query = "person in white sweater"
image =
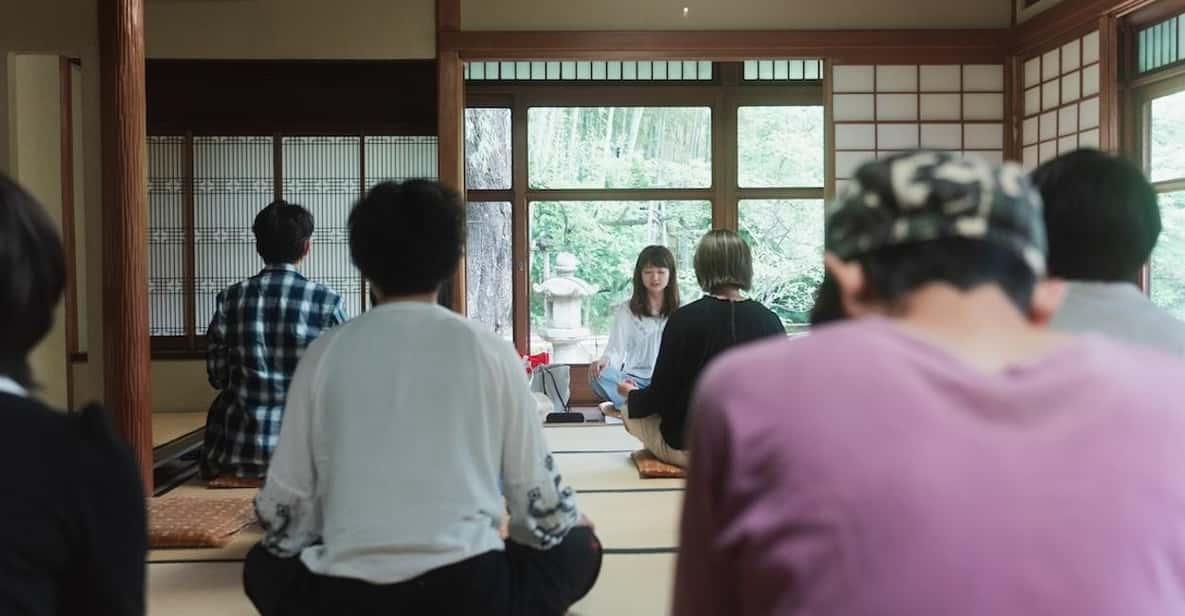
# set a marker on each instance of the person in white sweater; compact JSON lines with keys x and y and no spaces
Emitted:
{"x":407,"y":434}
{"x":637,"y":326}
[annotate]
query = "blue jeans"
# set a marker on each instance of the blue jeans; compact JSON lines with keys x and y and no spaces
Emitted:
{"x":605,"y":386}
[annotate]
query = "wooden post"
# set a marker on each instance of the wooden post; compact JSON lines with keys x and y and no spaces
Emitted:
{"x":125,"y":227}
{"x":450,"y":123}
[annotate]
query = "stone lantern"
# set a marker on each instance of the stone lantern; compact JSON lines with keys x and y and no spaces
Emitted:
{"x":564,"y":296}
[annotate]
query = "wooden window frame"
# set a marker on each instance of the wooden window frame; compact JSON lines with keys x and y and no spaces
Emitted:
{"x":723,"y":95}
{"x":1138,"y":94}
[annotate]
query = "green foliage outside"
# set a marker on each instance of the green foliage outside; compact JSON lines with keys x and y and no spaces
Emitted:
{"x":787,"y":242}
{"x":1167,"y":162}
{"x":606,"y":237}
{"x":647,"y":147}
{"x":1168,"y":260}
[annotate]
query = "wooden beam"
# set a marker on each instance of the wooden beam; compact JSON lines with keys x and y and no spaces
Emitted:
{"x":847,"y":45}
{"x":1110,"y":117}
{"x":450,"y":122}
{"x":125,"y":227}
{"x":520,"y":230}
{"x":66,"y":144}
{"x":448,"y":15}
{"x":1069,"y":19}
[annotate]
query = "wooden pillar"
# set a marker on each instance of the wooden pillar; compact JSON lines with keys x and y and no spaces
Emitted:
{"x":450,"y":123}
{"x":1110,"y":118}
{"x":125,"y":226}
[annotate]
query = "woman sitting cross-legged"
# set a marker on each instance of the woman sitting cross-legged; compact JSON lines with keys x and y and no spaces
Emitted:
{"x":694,"y":335}
{"x":383,"y":495}
{"x":637,"y":327}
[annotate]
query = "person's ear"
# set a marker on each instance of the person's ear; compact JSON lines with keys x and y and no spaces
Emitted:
{"x":852,"y":286}
{"x":1047,"y":299}
{"x":308,"y":244}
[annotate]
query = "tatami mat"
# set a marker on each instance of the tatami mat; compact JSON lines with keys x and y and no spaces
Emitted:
{"x":590,"y":438}
{"x":606,"y":471}
{"x":629,"y":585}
{"x":634,"y":520}
{"x":171,"y":426}
{"x":197,"y":589}
{"x":637,"y":520}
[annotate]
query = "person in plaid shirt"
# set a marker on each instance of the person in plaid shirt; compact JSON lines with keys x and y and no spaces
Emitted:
{"x":260,"y":329}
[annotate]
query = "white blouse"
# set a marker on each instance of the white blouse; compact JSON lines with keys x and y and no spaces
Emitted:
{"x":634,"y":341}
{"x":399,"y":427}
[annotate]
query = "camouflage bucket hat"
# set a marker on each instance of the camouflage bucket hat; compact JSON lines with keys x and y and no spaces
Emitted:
{"x":921,"y":196}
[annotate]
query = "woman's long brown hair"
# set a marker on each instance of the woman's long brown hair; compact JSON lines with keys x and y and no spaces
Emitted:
{"x":655,"y":256}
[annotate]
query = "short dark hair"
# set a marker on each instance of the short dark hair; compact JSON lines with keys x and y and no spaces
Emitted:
{"x":281,"y":230}
{"x":655,"y":256}
{"x":895,"y":271}
{"x":408,"y":238}
{"x":1100,"y":214}
{"x":828,"y":304}
{"x":723,"y":260}
{"x":32,"y":277}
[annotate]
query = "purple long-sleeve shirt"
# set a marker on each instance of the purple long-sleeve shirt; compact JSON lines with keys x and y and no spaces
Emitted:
{"x":861,"y":471}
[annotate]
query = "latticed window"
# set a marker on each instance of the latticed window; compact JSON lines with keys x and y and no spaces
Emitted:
{"x":204,"y":193}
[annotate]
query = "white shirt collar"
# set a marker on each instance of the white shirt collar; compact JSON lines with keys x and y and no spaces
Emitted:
{"x":9,"y":386}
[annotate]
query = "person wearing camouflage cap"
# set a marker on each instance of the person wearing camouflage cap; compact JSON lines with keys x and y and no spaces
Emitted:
{"x":938,"y":449}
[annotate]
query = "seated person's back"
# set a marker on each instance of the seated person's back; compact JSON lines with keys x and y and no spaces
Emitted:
{"x":911,"y":483}
{"x":1103,"y":222}
{"x":73,"y":537}
{"x":260,"y":329}
{"x":945,"y":453}
{"x":695,"y":334}
{"x":411,"y":415}
{"x":408,"y":434}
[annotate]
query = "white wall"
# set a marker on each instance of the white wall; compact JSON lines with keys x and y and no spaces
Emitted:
{"x":35,"y":162}
{"x":291,"y":29}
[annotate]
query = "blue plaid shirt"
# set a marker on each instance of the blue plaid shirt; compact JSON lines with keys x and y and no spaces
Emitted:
{"x":260,"y":329}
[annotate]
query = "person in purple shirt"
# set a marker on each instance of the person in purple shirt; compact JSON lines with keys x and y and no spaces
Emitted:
{"x":939,"y":451}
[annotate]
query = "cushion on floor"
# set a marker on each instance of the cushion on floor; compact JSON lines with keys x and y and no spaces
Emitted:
{"x":193,"y":522}
{"x":226,"y":482}
{"x":650,"y":467}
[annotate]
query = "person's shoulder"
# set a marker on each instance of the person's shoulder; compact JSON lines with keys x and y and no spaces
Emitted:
{"x":1170,"y":327}
{"x":1137,"y":366}
{"x":765,"y":312}
{"x":29,"y":416}
{"x":692,"y":308}
{"x":810,"y":351}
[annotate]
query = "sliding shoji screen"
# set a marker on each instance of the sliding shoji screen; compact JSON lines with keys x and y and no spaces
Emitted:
{"x":233,"y":178}
{"x":1061,"y":100}
{"x":880,"y":110}
{"x":166,"y":236}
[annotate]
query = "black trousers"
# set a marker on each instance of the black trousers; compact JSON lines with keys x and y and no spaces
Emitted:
{"x":520,"y":581}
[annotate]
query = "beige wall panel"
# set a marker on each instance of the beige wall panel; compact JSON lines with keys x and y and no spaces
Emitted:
{"x":291,"y":29}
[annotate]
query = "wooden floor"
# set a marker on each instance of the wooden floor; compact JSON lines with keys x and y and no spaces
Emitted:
{"x":168,"y":427}
{"x":635,"y":579}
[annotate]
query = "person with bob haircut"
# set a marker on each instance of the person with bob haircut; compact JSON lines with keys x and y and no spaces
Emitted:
{"x":937,"y":449}
{"x":408,"y":432}
{"x":637,"y":327}
{"x":74,"y":536}
{"x":1103,"y":221}
{"x":260,"y":329}
{"x":695,"y":334}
